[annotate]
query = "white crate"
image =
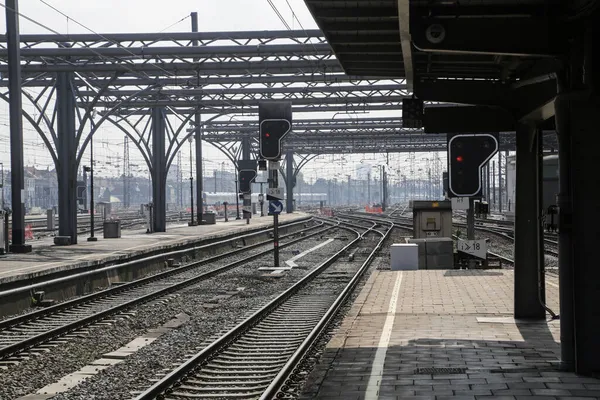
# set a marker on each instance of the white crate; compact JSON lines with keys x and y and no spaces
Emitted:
{"x":404,"y":256}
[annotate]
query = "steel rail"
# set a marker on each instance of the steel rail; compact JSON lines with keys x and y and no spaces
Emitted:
{"x":128,"y":264}
{"x":165,"y":384}
{"x":19,"y":347}
{"x":278,"y":385}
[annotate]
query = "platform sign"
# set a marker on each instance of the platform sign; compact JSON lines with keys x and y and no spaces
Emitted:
{"x":275,"y":207}
{"x":247,"y":209}
{"x":460,"y":203}
{"x":477,"y":248}
{"x":275,"y":193}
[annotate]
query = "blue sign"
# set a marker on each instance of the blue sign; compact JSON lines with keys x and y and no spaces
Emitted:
{"x":275,"y":207}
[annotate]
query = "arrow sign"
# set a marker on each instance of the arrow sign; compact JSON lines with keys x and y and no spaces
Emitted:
{"x":275,"y":207}
{"x":477,"y":248}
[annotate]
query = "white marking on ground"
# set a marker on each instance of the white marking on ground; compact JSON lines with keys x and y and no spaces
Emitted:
{"x":384,"y":341}
{"x":115,"y":357}
{"x":290,"y":263}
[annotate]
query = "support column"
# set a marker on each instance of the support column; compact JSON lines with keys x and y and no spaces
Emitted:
{"x":527,"y":225}
{"x":198,"y":134}
{"x":66,"y":168}
{"x":369,"y":189}
{"x":16,"y":129}
{"x":576,"y":117}
{"x":159,"y":170}
{"x":289,"y":184}
{"x":247,"y":202}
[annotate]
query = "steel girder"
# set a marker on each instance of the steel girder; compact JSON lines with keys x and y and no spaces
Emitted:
{"x":265,"y":80}
{"x":243,"y":103}
{"x":367,"y":141}
{"x":186,"y":70}
{"x":105,"y":40}
{"x":166,"y":52}
{"x":252,"y":111}
{"x":248,"y":92}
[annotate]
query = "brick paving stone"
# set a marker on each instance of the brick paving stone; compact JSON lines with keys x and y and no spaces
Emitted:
{"x":495,"y":397}
{"x":438,"y":324}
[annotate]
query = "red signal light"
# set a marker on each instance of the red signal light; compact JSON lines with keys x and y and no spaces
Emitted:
{"x":267,"y":135}
{"x":459,"y":159}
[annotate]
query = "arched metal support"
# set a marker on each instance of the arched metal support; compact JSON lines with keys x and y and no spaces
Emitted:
{"x":290,"y":173}
{"x":36,"y":126}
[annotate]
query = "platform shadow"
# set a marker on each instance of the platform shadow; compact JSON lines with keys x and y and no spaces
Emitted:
{"x":430,"y":367}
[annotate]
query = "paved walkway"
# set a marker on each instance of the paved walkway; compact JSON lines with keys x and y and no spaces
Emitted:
{"x":444,"y":335}
{"x":47,"y":258}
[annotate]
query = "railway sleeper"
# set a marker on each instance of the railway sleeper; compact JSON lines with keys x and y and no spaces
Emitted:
{"x":225,"y":378}
{"x":223,"y":388}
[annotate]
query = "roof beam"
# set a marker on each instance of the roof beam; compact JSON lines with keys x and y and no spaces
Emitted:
{"x":166,"y":36}
{"x":406,"y":41}
{"x":349,"y":100}
{"x":479,"y":92}
{"x":146,"y":52}
{"x":467,"y":119}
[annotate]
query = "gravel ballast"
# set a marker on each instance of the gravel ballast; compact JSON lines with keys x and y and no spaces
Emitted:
{"x":173,"y":347}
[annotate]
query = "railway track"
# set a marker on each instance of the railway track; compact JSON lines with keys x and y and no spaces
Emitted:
{"x":257,"y":358}
{"x":83,"y":226}
{"x":32,"y":330}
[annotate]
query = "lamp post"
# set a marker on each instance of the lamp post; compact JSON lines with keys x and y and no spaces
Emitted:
{"x":237,"y":201}
{"x":4,"y":226}
{"x":2,"y":182}
{"x":92,"y":238}
{"x":190,"y":139}
{"x":261,"y":198}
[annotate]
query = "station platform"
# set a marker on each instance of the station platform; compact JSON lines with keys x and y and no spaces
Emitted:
{"x":47,"y":258}
{"x":444,"y":334}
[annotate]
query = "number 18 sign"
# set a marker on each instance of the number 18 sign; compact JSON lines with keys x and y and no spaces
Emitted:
{"x":477,"y":248}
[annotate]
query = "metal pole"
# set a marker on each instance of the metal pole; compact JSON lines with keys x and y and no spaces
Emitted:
{"x":191,"y":185}
{"x":273,"y":183}
{"x":198,"y":134}
{"x":369,"y":189}
{"x":506,"y":179}
{"x":349,"y":200}
{"x":471,"y":219}
{"x":289,"y":203}
{"x":2,"y":183}
{"x":237,"y":201}
{"x":16,"y":128}
{"x":500,"y":182}
{"x":92,"y":238}
{"x":4,"y":226}
{"x":487,"y":181}
{"x":494,"y":183}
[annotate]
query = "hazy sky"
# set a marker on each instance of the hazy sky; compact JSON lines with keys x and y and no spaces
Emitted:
{"x":105,"y":16}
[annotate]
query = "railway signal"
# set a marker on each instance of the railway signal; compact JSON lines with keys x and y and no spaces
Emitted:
{"x":271,"y":133}
{"x":246,"y":177}
{"x":467,"y":153}
{"x":275,"y":121}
